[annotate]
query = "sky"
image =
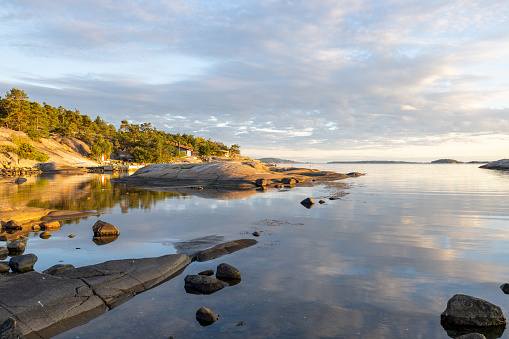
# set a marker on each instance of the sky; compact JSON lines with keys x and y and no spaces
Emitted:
{"x":309,"y":80}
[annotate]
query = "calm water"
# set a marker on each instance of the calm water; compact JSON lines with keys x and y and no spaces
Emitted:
{"x":381,"y":262}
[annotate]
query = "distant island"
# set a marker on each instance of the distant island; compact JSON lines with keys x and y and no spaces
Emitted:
{"x":447,"y":161}
{"x":278,"y":161}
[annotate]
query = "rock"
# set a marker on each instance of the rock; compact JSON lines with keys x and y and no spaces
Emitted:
{"x":288,"y":181}
{"x":502,"y":164}
{"x":20,"y":181}
{"x":279,"y":186}
{"x":45,"y":235}
{"x":10,"y":330}
{"x":202,"y":284}
{"x":464,"y":310}
{"x":23,"y":263}
{"x":261,"y":182}
{"x":71,"y":236}
{"x":58,"y":269}
{"x":471,"y":336}
{"x":241,"y":323}
{"x":207,"y":273}
{"x":321,"y":202}
{"x":505,"y":288}
{"x":223,"y":249}
{"x":50,"y":225}
{"x":206,"y":317}
{"x":4,"y":252}
{"x":16,"y":248}
{"x":4,"y":267}
{"x":36,"y":228}
{"x":354,"y":174}
{"x":256,"y":233}
{"x":13,"y":225}
{"x":102,"y":228}
{"x":308,"y":202}
{"x":227,"y":272}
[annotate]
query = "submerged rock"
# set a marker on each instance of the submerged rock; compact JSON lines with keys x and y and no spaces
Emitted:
{"x":223,"y":249}
{"x":206,"y":317}
{"x":102,"y":228}
{"x":23,"y":263}
{"x":202,"y":284}
{"x":464,"y":310}
{"x":10,"y":330}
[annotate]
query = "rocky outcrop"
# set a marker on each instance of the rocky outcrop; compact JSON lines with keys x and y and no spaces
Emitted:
{"x":467,"y":311}
{"x":54,"y":167}
{"x":502,"y":164}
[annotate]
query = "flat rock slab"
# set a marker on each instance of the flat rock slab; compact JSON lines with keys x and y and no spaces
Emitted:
{"x":223,"y":249}
{"x":45,"y":305}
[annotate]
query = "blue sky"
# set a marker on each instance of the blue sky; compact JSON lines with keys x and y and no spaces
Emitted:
{"x":305,"y":80}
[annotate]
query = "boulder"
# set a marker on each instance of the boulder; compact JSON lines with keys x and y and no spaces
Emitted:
{"x":4,"y":253}
{"x":13,"y":225}
{"x":505,"y":288}
{"x":227,"y":272}
{"x":50,"y":225}
{"x":16,"y":247}
{"x":23,"y":263}
{"x":206,"y":317}
{"x":4,"y":267}
{"x":464,"y":310}
{"x":102,"y":228}
{"x":223,"y":249}
{"x":45,"y":235}
{"x":58,"y":269}
{"x":261,"y":182}
{"x":202,"y":284}
{"x":308,"y":202}
{"x":10,"y":330}
{"x":288,"y":181}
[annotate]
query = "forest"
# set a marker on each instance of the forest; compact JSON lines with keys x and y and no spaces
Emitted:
{"x":143,"y":141}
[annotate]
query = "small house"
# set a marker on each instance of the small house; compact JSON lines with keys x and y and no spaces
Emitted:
{"x":188,"y":151}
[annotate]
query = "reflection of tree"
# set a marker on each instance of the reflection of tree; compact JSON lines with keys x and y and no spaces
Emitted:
{"x":94,"y":193}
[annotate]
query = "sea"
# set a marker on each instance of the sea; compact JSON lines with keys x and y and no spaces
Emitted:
{"x":379,"y":258}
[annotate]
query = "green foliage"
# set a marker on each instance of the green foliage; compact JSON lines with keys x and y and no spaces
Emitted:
{"x":17,"y":112}
{"x":25,"y":150}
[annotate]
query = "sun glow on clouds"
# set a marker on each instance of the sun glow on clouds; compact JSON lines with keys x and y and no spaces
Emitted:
{"x":315,"y":80}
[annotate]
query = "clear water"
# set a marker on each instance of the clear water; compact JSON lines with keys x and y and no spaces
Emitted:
{"x":381,"y":262}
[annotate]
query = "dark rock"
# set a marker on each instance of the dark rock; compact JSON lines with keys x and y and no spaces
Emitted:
{"x":4,"y":252}
{"x":256,"y":233}
{"x":201,"y":284}
{"x":464,"y":310}
{"x":20,"y":181}
{"x":321,"y":202}
{"x":288,"y":181}
{"x":279,"y":186}
{"x":99,"y":241}
{"x":45,"y":235}
{"x":223,"y":249}
{"x":10,"y":330}
{"x":308,"y":202}
{"x":207,"y":273}
{"x":102,"y":228}
{"x":58,"y":268}
{"x":13,"y":225}
{"x":471,"y":336}
{"x":227,"y":272}
{"x":354,"y":174}
{"x":505,"y":288}
{"x":241,"y":323}
{"x":206,"y":317}
{"x":23,"y":263}
{"x":50,"y":225}
{"x":36,"y":228}
{"x":261,"y":182}
{"x":16,"y":248}
{"x":71,"y":235}
{"x":4,"y":267}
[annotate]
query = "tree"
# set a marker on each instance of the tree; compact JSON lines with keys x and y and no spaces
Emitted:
{"x":234,"y":150}
{"x":101,"y":146}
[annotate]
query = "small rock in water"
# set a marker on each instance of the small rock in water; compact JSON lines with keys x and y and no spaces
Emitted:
{"x":256,"y":233}
{"x":71,"y":236}
{"x":241,"y":323}
{"x":4,"y":252}
{"x":16,"y":248}
{"x":10,"y":330}
{"x":321,"y":201}
{"x":102,"y":228}
{"x":207,"y":273}
{"x":20,"y":181}
{"x":308,"y":202}
{"x":227,"y":272}
{"x":45,"y":235}
{"x":50,"y":225}
{"x":206,"y":317}
{"x":36,"y":228}
{"x":505,"y":288}
{"x":465,"y":310}
{"x":202,"y":284}
{"x":23,"y":263}
{"x":13,"y":225}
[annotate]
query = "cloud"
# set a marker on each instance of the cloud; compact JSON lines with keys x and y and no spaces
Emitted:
{"x":276,"y":75}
